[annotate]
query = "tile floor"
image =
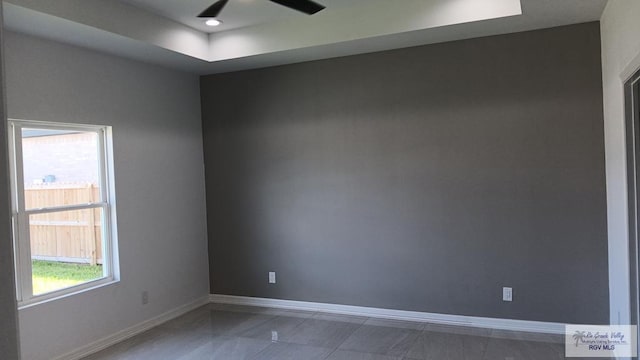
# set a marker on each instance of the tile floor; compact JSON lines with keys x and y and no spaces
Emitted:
{"x":230,"y":332}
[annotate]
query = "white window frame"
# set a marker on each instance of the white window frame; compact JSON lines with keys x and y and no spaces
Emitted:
{"x":20,"y":215}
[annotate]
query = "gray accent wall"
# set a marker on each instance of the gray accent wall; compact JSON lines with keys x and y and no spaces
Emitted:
{"x":8,"y":311}
{"x":159,"y":185}
{"x":419,"y":179}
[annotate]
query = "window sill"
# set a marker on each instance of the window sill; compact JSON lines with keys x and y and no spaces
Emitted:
{"x":65,"y":293}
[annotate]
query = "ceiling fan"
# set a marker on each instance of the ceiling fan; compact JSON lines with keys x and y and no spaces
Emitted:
{"x":306,"y":6}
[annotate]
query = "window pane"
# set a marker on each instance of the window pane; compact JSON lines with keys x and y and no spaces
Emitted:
{"x":66,"y":249}
{"x":60,"y":167}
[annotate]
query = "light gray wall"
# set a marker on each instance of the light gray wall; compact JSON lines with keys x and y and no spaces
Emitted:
{"x":155,"y":114}
{"x":418,"y":179}
{"x":620,"y":59}
{"x":8,"y":312}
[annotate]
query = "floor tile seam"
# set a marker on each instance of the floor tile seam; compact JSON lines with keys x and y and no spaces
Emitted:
{"x":302,"y":322}
{"x":255,"y":356}
{"x":272,"y":317}
{"x":407,"y":335}
{"x":348,"y":336}
{"x":418,"y":338}
{"x":402,"y":357}
{"x":292,"y":331}
{"x":331,"y":353}
{"x":486,"y":348}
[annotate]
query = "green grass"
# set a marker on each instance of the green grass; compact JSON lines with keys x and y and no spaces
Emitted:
{"x":50,"y":275}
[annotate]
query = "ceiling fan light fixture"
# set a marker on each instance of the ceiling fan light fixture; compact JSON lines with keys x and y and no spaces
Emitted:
{"x":306,"y":6}
{"x":213,"y":22}
{"x":213,"y":10}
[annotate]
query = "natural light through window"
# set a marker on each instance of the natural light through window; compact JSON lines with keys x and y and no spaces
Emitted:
{"x":61,"y":208}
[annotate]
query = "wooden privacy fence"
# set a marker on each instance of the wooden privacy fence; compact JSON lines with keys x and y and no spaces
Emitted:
{"x":68,"y":236}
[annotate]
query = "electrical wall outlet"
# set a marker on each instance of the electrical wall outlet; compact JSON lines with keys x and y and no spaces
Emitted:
{"x":507,"y":294}
{"x":272,"y":277}
{"x":145,"y":297}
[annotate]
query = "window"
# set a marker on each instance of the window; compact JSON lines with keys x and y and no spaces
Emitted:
{"x":62,"y":201}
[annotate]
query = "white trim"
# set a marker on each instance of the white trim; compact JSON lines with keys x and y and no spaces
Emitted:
{"x":630,"y":69}
{"x":78,"y":289}
{"x":132,"y":331}
{"x":56,"y":125}
{"x":71,"y":260}
{"x":458,"y":320}
{"x":21,"y":215}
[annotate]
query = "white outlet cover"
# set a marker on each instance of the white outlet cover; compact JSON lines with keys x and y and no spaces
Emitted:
{"x":507,"y":294}
{"x":272,"y":277}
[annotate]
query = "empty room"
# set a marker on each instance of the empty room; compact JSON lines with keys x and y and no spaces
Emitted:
{"x":326,"y":179}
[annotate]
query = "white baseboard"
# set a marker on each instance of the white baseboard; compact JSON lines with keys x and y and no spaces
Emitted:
{"x":459,"y":320}
{"x":132,"y":331}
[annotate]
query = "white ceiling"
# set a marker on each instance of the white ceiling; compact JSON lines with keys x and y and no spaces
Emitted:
{"x":259,"y":33}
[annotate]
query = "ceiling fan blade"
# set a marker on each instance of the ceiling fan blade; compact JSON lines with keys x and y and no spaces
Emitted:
{"x":213,"y":10}
{"x":305,"y":6}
